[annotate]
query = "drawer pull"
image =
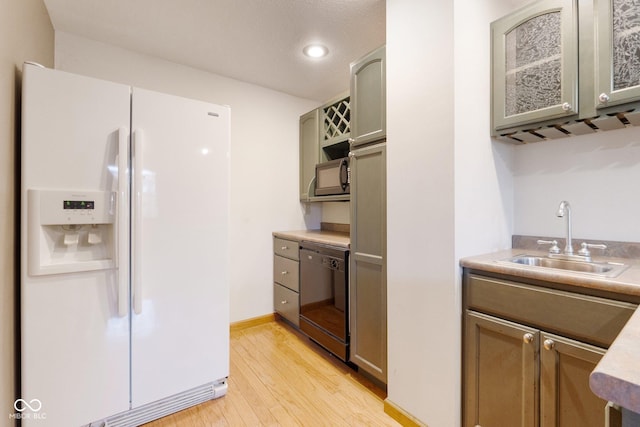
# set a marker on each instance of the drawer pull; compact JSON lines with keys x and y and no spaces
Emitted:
{"x":549,"y":344}
{"x":284,"y":301}
{"x":284,"y":272}
{"x":284,"y":248}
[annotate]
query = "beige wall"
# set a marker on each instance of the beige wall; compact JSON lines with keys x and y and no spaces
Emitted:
{"x":26,"y":34}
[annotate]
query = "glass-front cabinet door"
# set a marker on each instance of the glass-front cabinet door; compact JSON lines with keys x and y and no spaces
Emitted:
{"x":534,"y":64}
{"x":618,"y":52}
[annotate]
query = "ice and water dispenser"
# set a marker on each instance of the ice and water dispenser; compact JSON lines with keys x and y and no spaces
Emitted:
{"x":70,"y":231}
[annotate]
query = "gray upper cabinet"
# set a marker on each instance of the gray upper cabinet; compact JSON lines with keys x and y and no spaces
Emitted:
{"x":565,"y":67}
{"x":369,"y":98}
{"x":335,"y":128}
{"x":617,"y":60}
{"x":324,"y":136}
{"x":309,"y":154}
{"x":535,"y":63}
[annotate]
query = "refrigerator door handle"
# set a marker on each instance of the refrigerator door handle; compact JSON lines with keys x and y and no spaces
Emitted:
{"x":123,"y":232}
{"x":138,"y":141}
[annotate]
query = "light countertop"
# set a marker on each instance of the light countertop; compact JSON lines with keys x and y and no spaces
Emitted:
{"x":616,"y":378}
{"x":333,"y":238}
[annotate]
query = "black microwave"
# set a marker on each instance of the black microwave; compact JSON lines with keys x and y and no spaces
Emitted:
{"x":332,"y":177}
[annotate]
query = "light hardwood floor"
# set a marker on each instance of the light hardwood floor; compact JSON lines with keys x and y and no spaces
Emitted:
{"x":280,"y":378}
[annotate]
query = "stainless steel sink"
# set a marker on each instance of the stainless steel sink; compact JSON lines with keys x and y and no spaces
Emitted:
{"x":604,"y":269}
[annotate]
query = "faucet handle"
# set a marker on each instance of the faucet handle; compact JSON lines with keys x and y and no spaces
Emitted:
{"x":554,"y":249}
{"x":584,"y":248}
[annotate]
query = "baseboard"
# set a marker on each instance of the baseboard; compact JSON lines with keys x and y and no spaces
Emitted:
{"x":400,"y":415}
{"x":254,"y":321}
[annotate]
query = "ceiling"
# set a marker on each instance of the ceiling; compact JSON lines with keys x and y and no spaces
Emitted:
{"x":256,"y":41}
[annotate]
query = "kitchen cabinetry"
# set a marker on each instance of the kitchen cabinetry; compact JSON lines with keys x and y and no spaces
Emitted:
{"x":535,"y":62}
{"x":324,"y":136}
{"x":617,"y":66}
{"x":565,"y":67}
{"x":369,"y":98}
{"x":528,"y":352}
{"x":368,"y":275}
{"x":286,"y":279}
{"x":309,"y":154}
{"x":335,"y":128}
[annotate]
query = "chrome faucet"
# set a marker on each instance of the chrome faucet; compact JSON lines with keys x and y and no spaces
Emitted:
{"x":564,"y":211}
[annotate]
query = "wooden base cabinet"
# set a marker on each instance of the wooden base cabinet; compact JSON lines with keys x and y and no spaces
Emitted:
{"x":367,"y":269}
{"x":528,"y":351}
{"x":286,"y":276}
{"x":508,"y":363}
{"x":500,"y":373}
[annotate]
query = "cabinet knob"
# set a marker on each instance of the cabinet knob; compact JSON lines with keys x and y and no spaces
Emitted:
{"x":527,"y":338}
{"x":284,"y":301}
{"x":603,"y":97}
{"x":549,"y":344}
{"x":566,"y":106}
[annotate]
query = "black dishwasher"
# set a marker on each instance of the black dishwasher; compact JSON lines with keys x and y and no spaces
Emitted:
{"x":324,"y":305}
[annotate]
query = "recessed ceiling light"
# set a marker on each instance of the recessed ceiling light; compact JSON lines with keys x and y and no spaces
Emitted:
{"x":315,"y":51}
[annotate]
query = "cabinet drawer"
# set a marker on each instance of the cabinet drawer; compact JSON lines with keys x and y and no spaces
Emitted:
{"x":285,"y":302}
{"x":285,"y":272}
{"x":591,"y":319}
{"x":285,"y":248}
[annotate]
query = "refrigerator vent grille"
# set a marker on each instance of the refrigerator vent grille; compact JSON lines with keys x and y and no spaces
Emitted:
{"x":164,"y":407}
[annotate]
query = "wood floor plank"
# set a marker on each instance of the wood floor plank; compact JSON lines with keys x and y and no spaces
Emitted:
{"x":278,"y":377}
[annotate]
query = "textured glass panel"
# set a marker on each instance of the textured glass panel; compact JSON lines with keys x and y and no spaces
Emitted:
{"x":626,"y":43}
{"x":533,"y":66}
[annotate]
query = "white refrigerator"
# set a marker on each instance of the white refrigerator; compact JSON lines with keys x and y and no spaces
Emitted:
{"x":124,"y":294}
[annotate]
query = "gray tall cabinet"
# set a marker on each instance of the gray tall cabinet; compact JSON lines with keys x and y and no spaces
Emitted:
{"x":368,"y":260}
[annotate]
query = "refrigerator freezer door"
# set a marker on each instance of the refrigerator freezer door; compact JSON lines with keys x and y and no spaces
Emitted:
{"x":180,"y":327}
{"x":74,"y":344}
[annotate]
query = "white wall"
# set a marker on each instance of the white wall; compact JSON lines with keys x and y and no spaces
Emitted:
{"x":437,"y":125}
{"x":336,"y":212}
{"x":423,"y":308}
{"x":484,"y":181}
{"x":264,"y":155}
{"x":599,"y":176}
{"x":26,"y":34}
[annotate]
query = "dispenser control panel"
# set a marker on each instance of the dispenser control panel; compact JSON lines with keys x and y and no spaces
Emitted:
{"x":78,"y":204}
{"x":73,"y":207}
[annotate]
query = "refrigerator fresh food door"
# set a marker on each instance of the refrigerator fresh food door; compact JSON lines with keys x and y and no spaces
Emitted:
{"x":74,"y":315}
{"x":180,"y":198}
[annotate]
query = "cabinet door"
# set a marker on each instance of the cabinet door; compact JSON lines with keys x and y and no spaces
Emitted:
{"x":500,"y":372}
{"x":368,"y":273}
{"x":534,"y":64}
{"x":565,"y":397}
{"x":286,"y":303}
{"x":617,"y":62}
{"x":309,"y":152}
{"x":369,"y":98}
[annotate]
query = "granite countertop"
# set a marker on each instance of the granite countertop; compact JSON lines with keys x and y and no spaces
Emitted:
{"x":616,"y":378}
{"x":326,"y":237}
{"x":627,"y":283}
